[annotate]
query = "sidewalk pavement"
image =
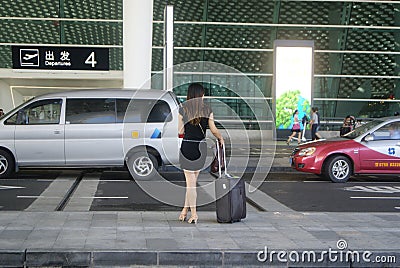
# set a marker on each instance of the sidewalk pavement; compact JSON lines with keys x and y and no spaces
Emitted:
{"x":278,"y":237}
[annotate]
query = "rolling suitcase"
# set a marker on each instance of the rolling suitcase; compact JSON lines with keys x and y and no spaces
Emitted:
{"x":230,"y":192}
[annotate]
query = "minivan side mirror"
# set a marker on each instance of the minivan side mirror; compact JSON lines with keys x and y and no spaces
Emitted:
{"x":368,"y":138}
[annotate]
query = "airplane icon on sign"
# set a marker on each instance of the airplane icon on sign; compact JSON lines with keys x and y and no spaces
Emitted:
{"x":29,"y":57}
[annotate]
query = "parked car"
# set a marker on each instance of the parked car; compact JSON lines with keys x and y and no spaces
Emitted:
{"x":373,"y":148}
{"x":92,"y":128}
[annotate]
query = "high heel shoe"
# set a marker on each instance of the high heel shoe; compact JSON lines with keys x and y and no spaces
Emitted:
{"x":287,"y":142}
{"x":193,"y":219}
{"x":182,"y":216}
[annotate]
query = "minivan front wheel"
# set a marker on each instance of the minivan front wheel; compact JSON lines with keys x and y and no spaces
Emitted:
{"x":6,"y":164}
{"x":142,"y":165}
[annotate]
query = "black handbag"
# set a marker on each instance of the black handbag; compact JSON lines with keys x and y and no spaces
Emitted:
{"x":215,"y":164}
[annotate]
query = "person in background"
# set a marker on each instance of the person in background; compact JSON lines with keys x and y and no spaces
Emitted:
{"x":194,"y":118}
{"x":295,"y":128}
{"x":1,"y":112}
{"x":315,"y":121}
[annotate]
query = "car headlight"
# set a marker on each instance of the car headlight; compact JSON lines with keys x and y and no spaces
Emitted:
{"x":307,"y":151}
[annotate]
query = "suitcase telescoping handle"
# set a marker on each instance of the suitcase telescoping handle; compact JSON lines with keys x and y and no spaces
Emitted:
{"x":219,"y":159}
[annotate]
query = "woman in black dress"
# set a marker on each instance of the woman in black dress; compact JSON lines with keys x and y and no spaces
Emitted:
{"x":194,"y":119}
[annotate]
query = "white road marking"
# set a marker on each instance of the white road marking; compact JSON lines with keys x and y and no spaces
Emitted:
{"x":38,"y":196}
{"x":103,"y":197}
{"x":376,"y":197}
{"x":81,"y":197}
{"x":116,"y":180}
{"x":4,"y":187}
{"x":374,"y":189}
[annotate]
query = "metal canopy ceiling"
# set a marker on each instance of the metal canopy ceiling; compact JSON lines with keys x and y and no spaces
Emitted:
{"x":236,"y":33}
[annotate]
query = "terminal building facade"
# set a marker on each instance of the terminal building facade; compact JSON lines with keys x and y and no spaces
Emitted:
{"x":356,"y":48}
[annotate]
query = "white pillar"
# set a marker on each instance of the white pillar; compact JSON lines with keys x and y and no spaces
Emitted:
{"x":138,"y":34}
{"x":168,"y":48}
{"x":6,"y":102}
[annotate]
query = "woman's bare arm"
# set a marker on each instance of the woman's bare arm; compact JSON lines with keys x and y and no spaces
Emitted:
{"x":181,"y":129}
{"x":214,"y":130}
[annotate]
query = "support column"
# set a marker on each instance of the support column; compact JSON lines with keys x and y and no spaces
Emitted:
{"x":168,"y":72}
{"x":6,"y":102}
{"x":138,"y":34}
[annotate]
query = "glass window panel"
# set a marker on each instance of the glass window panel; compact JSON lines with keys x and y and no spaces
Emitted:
{"x":238,"y":37}
{"x":389,"y":131}
{"x":95,"y":33}
{"x":374,"y":14}
{"x":244,"y":61}
{"x":369,"y":40}
{"x":116,"y":59}
{"x":5,"y":57}
{"x":183,"y":10}
{"x":187,"y":35}
{"x":42,"y":112}
{"x":142,"y":111}
{"x":93,"y":9}
{"x":90,"y":111}
{"x":182,"y":56}
{"x":241,"y":11}
{"x":297,"y":12}
{"x":28,"y":31}
{"x":37,"y":9}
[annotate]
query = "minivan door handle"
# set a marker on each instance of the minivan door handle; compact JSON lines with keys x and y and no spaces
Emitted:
{"x":57,"y":131}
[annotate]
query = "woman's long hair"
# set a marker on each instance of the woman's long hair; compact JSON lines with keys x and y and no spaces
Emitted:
{"x":194,"y":106}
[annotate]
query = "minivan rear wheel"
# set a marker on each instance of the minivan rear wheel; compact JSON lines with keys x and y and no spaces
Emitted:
{"x":142,"y":165}
{"x":6,"y":164}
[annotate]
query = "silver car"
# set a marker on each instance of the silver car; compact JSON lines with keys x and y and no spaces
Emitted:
{"x":92,"y":128}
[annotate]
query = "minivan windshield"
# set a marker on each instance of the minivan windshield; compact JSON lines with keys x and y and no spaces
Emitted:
{"x":362,"y":129}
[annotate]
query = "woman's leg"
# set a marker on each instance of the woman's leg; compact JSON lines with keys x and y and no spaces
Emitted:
{"x":317,"y":134}
{"x":290,"y":137}
{"x":313,"y":130}
{"x":299,"y":137}
{"x":191,"y":193}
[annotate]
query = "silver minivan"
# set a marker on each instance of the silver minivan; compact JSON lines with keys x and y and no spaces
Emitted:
{"x":92,"y":128}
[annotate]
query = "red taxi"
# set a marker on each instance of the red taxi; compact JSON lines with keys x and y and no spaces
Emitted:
{"x":373,"y":148}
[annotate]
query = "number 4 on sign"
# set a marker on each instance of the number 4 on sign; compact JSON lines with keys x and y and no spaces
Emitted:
{"x":91,"y":60}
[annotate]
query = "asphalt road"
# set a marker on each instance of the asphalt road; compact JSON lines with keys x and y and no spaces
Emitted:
{"x":116,"y":191}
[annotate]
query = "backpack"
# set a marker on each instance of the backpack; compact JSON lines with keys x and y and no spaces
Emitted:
{"x":319,"y":118}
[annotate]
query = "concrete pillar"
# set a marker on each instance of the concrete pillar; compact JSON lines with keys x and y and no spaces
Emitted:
{"x":138,"y":34}
{"x":6,"y":102}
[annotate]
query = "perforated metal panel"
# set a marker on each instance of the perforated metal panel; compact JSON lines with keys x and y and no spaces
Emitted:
{"x":256,"y":25}
{"x":259,"y":23}
{"x":61,"y":32}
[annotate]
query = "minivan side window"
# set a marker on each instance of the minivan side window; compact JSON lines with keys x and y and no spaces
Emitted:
{"x":90,"y":111}
{"x":142,"y":111}
{"x":41,"y":112}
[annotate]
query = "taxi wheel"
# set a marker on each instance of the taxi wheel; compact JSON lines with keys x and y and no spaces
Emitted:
{"x":339,"y":169}
{"x":142,"y":165}
{"x":6,"y":164}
